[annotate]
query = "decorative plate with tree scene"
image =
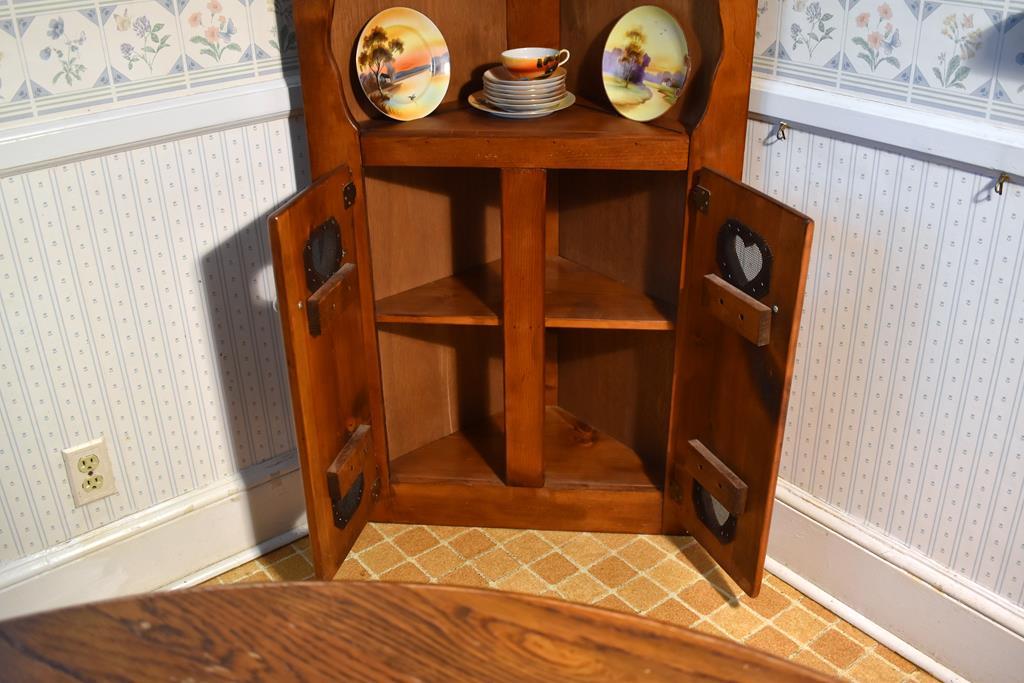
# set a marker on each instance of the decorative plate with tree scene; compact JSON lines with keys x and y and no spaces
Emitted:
{"x":403,"y":63}
{"x":646,"y":63}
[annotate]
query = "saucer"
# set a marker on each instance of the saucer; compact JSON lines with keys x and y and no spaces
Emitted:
{"x":522,"y":106}
{"x":501,"y":75}
{"x":478,"y":101}
{"x":499,"y":99}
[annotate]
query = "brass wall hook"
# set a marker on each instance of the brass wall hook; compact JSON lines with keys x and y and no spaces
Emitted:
{"x":781,"y":134}
{"x":1001,"y":182}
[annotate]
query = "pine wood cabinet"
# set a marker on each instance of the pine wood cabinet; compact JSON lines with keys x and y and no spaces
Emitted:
{"x":580,"y":322}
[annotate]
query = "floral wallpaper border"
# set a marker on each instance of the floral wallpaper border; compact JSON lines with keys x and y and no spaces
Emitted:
{"x":60,"y":56}
{"x":75,"y":56}
{"x":963,"y":57}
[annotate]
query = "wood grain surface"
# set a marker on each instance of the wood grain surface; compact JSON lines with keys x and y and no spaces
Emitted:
{"x":574,"y":297}
{"x":446,"y":503}
{"x":368,"y":632}
{"x":331,"y":373}
{"x":575,"y":456}
{"x":715,"y":476}
{"x":438,"y":379}
{"x":427,"y":224}
{"x":334,"y":144}
{"x":734,"y":394}
{"x":523,"y":213}
{"x":750,"y":318}
{"x":716,"y":115}
{"x":430,"y":204}
{"x":620,"y":382}
{"x":581,"y":136}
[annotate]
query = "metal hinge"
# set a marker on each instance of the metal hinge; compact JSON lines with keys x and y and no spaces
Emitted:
{"x":674,"y":492}
{"x":349,"y":194}
{"x":375,"y":488}
{"x":701,"y":198}
{"x":346,"y":483}
{"x":343,"y":509}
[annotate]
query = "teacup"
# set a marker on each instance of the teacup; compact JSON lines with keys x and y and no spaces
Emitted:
{"x":533,"y":63}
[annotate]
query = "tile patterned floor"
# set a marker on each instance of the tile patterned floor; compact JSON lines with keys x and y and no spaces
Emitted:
{"x":667,"y":578}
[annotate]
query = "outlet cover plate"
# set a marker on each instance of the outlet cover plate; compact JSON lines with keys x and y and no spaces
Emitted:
{"x":90,"y":472}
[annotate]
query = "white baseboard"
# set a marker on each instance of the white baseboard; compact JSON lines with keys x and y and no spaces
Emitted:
{"x":239,"y":558}
{"x":948,"y":626}
{"x":945,"y":624}
{"x":196,"y":535}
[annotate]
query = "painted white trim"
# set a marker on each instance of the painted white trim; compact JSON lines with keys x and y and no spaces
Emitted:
{"x":990,"y":604}
{"x":855,"y":618}
{"x":200,"y":531}
{"x":239,"y":558}
{"x":27,"y":148}
{"x":975,"y":142}
{"x":918,"y":609}
{"x":940,"y":621}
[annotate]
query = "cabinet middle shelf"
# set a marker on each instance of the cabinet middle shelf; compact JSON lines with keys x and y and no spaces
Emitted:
{"x":583,"y":136}
{"x":574,"y":297}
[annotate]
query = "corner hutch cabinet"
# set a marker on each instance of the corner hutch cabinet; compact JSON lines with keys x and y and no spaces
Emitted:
{"x":580,"y":322}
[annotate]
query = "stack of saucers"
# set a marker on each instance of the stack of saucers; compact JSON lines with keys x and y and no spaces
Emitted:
{"x":507,"y":97}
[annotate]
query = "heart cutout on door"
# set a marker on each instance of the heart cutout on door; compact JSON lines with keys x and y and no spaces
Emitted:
{"x":749,"y":256}
{"x":744,"y":258}
{"x":323,"y":254}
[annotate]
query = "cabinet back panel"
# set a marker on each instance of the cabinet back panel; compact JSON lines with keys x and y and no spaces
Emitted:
{"x":428,"y":223}
{"x":626,"y":225}
{"x":620,"y":382}
{"x":629,"y":227}
{"x":475,"y":36}
{"x":437,"y":379}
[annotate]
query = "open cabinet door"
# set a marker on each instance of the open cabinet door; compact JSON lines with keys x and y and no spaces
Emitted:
{"x":316,"y":262}
{"x":745,"y":269}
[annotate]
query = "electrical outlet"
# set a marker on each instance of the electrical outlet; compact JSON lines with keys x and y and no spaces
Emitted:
{"x":90,"y":472}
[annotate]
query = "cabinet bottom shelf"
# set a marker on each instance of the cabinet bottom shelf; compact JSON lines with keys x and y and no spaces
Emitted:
{"x":576,"y":456}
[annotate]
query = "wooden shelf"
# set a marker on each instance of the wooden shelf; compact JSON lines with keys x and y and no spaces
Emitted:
{"x":575,"y":457}
{"x":582,"y":136}
{"x":574,"y":297}
{"x":472,"y":297}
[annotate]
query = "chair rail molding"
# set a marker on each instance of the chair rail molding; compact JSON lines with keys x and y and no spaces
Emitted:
{"x":983,"y":144}
{"x":973,"y":142}
{"x":43,"y":145}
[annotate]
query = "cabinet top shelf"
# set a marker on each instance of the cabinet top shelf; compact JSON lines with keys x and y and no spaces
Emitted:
{"x":583,"y":137}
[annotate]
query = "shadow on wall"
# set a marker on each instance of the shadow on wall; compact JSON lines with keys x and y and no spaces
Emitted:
{"x":241,"y":299}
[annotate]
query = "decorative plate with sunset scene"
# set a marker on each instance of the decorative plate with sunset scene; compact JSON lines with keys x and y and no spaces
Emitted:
{"x":403,"y":63}
{"x":646,"y":63}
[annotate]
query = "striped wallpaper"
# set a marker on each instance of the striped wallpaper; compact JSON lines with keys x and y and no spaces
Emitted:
{"x":136,"y":302}
{"x":907,"y":409}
